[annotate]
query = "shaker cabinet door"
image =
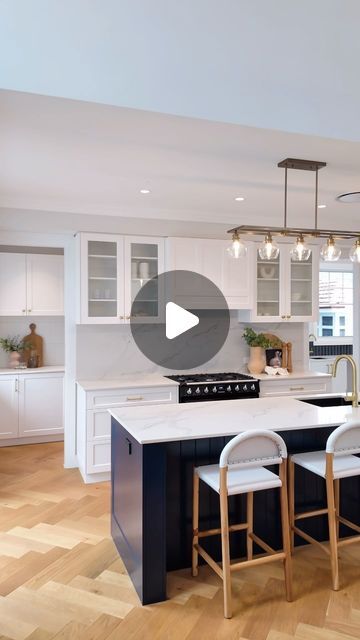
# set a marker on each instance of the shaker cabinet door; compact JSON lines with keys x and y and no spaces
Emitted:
{"x":45,"y":285}
{"x":12,"y":284}
{"x":40,"y":405}
{"x":9,"y":386}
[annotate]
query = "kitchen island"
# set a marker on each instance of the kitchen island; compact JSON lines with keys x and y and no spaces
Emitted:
{"x":154,"y":450}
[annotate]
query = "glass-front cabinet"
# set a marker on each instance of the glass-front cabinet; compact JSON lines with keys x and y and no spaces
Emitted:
{"x":113,"y":270}
{"x":286,"y":290}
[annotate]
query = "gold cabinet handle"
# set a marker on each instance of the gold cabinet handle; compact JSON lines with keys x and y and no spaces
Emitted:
{"x":121,"y":317}
{"x":24,"y":310}
{"x":128,"y":317}
{"x":29,"y":310}
{"x":133,"y":398}
{"x":283,"y":317}
{"x":297,"y":388}
{"x":288,"y":317}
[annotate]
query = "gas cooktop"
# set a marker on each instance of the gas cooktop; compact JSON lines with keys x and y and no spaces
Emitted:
{"x":197,"y":387}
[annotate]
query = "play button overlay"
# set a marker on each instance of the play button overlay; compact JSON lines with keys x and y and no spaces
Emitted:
{"x":179,"y":319}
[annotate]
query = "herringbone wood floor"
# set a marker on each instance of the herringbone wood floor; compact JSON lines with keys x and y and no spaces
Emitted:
{"x":61,"y":577}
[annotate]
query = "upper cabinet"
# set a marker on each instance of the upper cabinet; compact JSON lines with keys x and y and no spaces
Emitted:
{"x":286,"y":290}
{"x":31,"y":284}
{"x":211,"y":259}
{"x":112,"y":271}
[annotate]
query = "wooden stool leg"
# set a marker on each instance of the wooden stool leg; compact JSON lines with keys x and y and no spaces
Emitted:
{"x":291,"y":503}
{"x":250,"y":523}
{"x":337,"y":505}
{"x":286,"y":531}
{"x":332,"y":521}
{"x":195,"y":555}
{"x":224,"y":515}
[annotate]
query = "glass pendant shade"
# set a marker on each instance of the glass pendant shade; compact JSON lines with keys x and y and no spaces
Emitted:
{"x":300,"y":252}
{"x":268,"y":249}
{"x":354,"y":253}
{"x":237,"y":248}
{"x":329,"y":251}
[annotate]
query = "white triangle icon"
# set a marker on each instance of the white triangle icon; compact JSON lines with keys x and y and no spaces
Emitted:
{"x":178,"y":320}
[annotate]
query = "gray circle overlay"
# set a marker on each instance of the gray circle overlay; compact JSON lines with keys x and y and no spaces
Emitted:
{"x":192,"y":292}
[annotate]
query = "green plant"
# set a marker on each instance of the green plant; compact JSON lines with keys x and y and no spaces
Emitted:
{"x":14,"y":344}
{"x":254,"y":339}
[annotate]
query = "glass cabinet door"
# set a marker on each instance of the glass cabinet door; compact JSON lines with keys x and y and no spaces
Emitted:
{"x":268,"y":287}
{"x":145,"y":259}
{"x":301,"y":288}
{"x":102,"y":285}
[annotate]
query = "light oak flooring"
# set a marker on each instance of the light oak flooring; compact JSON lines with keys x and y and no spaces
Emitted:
{"x":61,"y":577}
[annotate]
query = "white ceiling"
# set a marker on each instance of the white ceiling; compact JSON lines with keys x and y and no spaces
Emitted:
{"x":74,"y":157}
{"x":276,"y":64}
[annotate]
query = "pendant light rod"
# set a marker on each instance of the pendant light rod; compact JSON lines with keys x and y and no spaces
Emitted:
{"x":285,"y":198}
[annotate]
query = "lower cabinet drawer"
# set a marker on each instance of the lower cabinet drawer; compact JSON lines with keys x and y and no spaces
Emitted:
{"x":127,"y":397}
{"x":98,"y":425}
{"x":294,"y":388}
{"x":98,"y":457}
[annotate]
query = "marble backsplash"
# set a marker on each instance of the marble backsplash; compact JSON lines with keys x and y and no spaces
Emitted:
{"x":107,"y":351}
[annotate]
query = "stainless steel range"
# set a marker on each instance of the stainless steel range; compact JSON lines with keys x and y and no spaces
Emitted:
{"x":198,"y":387}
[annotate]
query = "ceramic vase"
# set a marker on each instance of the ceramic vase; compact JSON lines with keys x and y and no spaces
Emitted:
{"x":257,"y":361}
{"x":14,"y":359}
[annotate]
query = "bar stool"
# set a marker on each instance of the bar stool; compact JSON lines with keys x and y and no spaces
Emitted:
{"x":336,"y":462}
{"x":242,"y":470}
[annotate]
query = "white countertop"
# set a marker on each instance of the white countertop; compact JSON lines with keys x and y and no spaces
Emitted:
{"x":295,"y":375}
{"x":175,"y":422}
{"x":126,"y":382}
{"x":20,"y":372}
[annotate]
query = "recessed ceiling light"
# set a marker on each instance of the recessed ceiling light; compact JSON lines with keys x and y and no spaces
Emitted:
{"x":322,"y":206}
{"x":145,"y":191}
{"x":239,"y":199}
{"x":353,"y":196}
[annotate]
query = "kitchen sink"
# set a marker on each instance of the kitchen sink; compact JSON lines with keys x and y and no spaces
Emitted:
{"x":335,"y":401}
{"x":319,"y":357}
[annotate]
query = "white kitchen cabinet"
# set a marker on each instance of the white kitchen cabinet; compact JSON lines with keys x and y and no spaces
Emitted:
{"x":94,"y":422}
{"x":278,"y":386}
{"x":210,"y":258}
{"x":31,"y":284}
{"x":13,"y":284}
{"x":45,"y":284}
{"x":40,"y":405}
{"x":31,"y":406}
{"x":286,"y":290}
{"x":112,"y":271}
{"x":9,"y":415}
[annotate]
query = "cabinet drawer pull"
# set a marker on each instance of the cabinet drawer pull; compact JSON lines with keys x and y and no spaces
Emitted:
{"x":297,"y":388}
{"x":132,"y":398}
{"x":129,"y":446}
{"x":16,"y":385}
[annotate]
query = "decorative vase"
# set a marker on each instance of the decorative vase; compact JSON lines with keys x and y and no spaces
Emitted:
{"x":257,"y":361}
{"x":14,"y":359}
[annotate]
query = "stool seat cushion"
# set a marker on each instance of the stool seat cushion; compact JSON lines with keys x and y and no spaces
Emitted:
{"x":239,"y":480}
{"x":315,"y":461}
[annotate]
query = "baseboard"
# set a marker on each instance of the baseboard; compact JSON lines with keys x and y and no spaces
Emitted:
{"x":13,"y":442}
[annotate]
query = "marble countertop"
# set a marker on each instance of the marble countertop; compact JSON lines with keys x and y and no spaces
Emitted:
{"x":21,"y":372}
{"x":174,"y":422}
{"x":126,"y":382}
{"x":295,"y":375}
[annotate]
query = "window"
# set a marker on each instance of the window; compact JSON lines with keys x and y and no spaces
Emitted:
{"x":335,"y":304}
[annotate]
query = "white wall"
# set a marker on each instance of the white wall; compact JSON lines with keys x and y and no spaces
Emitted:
{"x":109,"y":351}
{"x":50,"y":328}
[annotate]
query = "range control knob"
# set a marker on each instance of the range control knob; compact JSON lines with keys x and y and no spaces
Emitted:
{"x":253,"y":387}
{"x":197,"y":390}
{"x":206,"y":390}
{"x":189,"y":391}
{"x":245,"y":387}
{"x":237,"y":388}
{"x":228,"y":388}
{"x":214,"y":389}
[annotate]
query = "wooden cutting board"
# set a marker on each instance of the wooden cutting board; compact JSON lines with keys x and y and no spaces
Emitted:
{"x":276,"y":342}
{"x":37,"y":344}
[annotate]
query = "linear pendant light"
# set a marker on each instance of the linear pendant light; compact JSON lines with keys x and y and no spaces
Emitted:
{"x":300,"y":252}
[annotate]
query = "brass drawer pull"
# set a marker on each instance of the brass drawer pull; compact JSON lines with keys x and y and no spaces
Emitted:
{"x":132,"y":398}
{"x":297,"y":388}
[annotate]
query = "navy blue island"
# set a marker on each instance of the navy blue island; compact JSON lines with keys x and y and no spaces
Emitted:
{"x":153,"y":453}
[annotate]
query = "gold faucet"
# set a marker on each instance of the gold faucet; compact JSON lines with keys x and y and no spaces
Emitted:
{"x":354,"y":396}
